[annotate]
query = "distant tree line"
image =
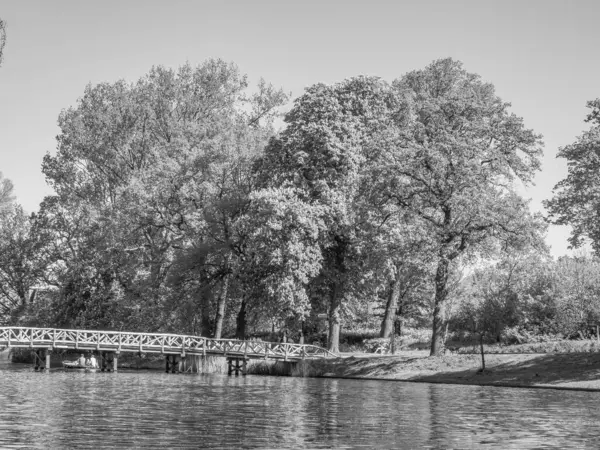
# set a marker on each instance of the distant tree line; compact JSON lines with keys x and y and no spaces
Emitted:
{"x":179,"y":207}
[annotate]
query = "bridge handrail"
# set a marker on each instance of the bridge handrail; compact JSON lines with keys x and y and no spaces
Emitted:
{"x":52,"y":336}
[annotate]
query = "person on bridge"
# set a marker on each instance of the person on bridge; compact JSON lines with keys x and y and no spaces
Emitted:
{"x":81,"y":360}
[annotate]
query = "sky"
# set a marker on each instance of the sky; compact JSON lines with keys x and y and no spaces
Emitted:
{"x":542,"y":56}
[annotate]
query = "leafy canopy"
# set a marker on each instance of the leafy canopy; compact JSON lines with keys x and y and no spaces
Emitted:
{"x":576,"y":200}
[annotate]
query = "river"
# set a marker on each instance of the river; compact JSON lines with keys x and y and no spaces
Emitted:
{"x":72,"y":409}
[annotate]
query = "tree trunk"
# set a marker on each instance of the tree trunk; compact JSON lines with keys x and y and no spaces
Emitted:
{"x":397,"y":330}
{"x":205,"y":321}
{"x":387,"y":324}
{"x":393,"y":338}
{"x":241,"y":322}
{"x":221,"y":301}
{"x":482,"y":353}
{"x":441,"y":292}
{"x":335,"y":306}
{"x":400,"y":323}
{"x":446,"y":324}
{"x":156,"y":272}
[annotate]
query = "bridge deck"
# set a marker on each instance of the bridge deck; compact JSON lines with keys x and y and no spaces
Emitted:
{"x":117,"y":341}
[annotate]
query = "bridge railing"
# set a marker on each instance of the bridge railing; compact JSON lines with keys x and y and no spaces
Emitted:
{"x":154,"y":343}
{"x":268,"y":349}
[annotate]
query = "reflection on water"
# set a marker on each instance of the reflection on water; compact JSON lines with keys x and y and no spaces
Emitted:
{"x":150,"y":409}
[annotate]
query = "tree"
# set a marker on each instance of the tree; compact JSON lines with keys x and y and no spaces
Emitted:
{"x":577,"y":294}
{"x":6,"y":193}
{"x":454,"y":167}
{"x":82,"y":260}
{"x":281,"y":252}
{"x":2,"y":39}
{"x":153,"y":168}
{"x":514,"y":299}
{"x":576,"y":200}
{"x":325,"y":154}
{"x":20,"y":265}
{"x":406,"y":286}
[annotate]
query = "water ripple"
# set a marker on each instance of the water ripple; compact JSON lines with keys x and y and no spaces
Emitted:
{"x":70,"y":409}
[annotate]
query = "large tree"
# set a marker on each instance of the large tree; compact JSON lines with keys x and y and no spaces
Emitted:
{"x":459,"y":151}
{"x":326,"y":153}
{"x":156,"y":167}
{"x":576,"y":200}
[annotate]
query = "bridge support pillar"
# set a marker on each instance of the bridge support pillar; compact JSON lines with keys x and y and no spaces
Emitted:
{"x":172,"y":365}
{"x":234,"y":366}
{"x":182,"y":364}
{"x":107,"y":360}
{"x":41,"y":359}
{"x":115,"y":360}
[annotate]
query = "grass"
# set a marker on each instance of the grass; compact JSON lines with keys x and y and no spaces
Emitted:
{"x":564,"y":346}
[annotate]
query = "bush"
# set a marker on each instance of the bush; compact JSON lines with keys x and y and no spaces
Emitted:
{"x":519,"y":335}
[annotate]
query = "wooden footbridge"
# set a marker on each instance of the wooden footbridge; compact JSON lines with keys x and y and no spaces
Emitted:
{"x":110,"y":344}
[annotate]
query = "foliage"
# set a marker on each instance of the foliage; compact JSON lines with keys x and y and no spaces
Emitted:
{"x":144,"y":171}
{"x":178,"y":207}
{"x":20,"y":265}
{"x":577,"y":291}
{"x":528,"y":299}
{"x":576,"y":200}
{"x":454,"y":168}
{"x":326,"y":154}
{"x":6,"y":193}
{"x":281,"y":253}
{"x":495,"y":298}
{"x":2,"y":39}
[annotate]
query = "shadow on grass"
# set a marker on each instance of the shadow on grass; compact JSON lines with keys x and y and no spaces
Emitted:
{"x":378,"y":366}
{"x":503,"y":370}
{"x":547,"y":369}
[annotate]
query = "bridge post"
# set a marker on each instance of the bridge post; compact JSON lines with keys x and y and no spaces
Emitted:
{"x":233,"y":365}
{"x":174,"y":364}
{"x":182,"y":364}
{"x":115,"y":359}
{"x":37,"y":355}
{"x":107,"y":359}
{"x":41,"y":359}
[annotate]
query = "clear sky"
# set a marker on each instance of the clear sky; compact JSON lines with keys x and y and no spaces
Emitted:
{"x":542,"y":56}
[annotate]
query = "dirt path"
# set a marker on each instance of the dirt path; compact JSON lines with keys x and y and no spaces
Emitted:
{"x":570,"y":370}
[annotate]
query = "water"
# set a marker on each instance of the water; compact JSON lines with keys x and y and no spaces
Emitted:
{"x":73,"y":409}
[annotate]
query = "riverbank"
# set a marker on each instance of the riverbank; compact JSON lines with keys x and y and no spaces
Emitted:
{"x":562,"y":371}
{"x":579,"y":371}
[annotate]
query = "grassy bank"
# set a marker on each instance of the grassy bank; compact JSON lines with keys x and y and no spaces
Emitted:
{"x":557,"y":370}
